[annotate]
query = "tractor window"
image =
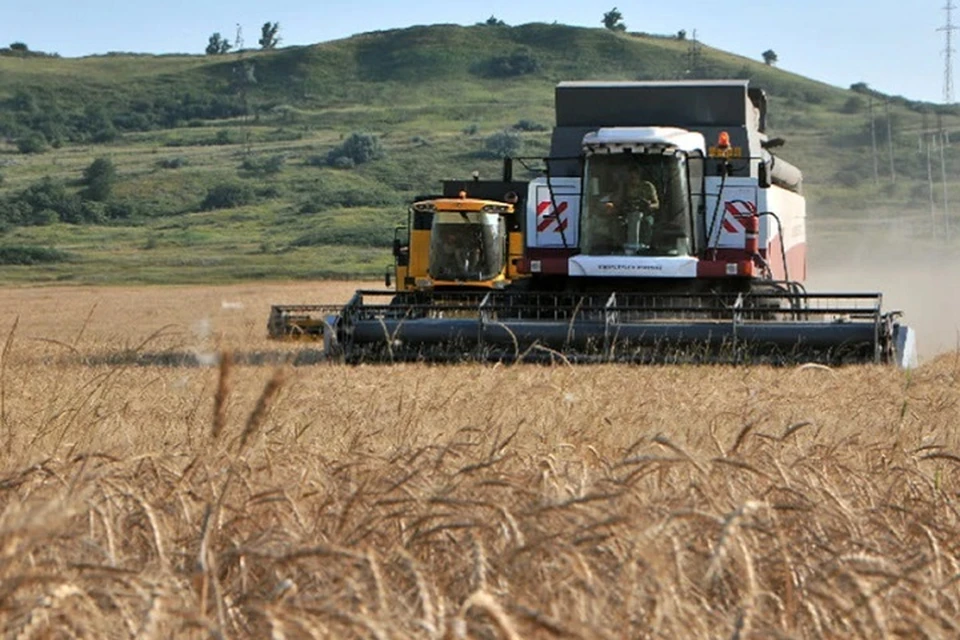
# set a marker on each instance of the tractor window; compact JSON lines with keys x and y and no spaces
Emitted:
{"x":467,"y":246}
{"x":636,"y":205}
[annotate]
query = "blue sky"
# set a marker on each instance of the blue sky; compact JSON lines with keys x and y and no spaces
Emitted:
{"x":891,"y":45}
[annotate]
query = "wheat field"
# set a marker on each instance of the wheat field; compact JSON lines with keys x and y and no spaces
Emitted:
{"x":142,"y":499}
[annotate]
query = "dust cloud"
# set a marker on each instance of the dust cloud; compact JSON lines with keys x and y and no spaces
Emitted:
{"x":919,"y":276}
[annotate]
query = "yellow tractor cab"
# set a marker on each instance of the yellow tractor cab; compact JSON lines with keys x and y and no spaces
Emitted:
{"x":456,"y":243}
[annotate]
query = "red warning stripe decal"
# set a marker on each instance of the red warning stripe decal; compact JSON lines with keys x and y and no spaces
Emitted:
{"x":547,"y":219}
{"x":734,"y":213}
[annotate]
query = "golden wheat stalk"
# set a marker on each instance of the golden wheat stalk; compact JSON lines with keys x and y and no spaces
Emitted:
{"x":220,"y":397}
{"x":488,"y":604}
{"x":259,"y":413}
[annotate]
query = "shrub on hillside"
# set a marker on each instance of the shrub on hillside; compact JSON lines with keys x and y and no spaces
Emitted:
{"x":529,"y":125}
{"x":29,"y":255}
{"x":124,"y":209}
{"x":32,"y":143}
{"x":42,"y":203}
{"x":228,"y":195}
{"x":519,"y":63}
{"x":854,"y":104}
{"x":263,"y":165}
{"x":106,"y":133}
{"x":175,"y":162}
{"x":502,"y":144}
{"x":99,"y":178}
{"x":358,"y":148}
{"x":26,"y":217}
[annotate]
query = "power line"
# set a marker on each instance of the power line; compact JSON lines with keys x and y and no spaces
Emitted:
{"x":948,"y":52}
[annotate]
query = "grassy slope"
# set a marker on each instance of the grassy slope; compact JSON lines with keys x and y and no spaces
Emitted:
{"x":418,"y":89}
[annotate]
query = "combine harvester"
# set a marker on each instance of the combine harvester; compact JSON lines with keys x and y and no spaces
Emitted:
{"x":660,"y":229}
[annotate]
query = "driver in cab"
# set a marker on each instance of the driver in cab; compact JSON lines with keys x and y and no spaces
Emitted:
{"x":639,"y":195}
{"x":458,"y":257}
{"x":633,"y":210}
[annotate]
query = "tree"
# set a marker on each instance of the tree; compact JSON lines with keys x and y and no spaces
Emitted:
{"x":19,"y":46}
{"x":682,"y":34}
{"x":99,"y":179}
{"x":217,"y":45}
{"x":268,"y":35}
{"x":769,"y":57}
{"x":493,"y":21}
{"x":613,"y":20}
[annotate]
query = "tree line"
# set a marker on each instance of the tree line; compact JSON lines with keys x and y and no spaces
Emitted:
{"x":269,"y":39}
{"x":613,"y":20}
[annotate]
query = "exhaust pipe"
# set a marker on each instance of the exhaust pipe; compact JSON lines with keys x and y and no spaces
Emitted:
{"x":507,"y":169}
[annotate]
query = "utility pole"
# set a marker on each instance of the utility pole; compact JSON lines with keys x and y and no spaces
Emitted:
{"x":946,"y":203}
{"x":926,"y":140}
{"x":238,"y":40}
{"x":873,"y":145}
{"x":933,"y":208}
{"x":943,"y":177}
{"x":693,"y":56}
{"x":948,"y":51}
{"x":893,"y":171}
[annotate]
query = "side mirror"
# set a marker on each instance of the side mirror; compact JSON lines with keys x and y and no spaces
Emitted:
{"x":773,"y":143}
{"x":763,"y":175}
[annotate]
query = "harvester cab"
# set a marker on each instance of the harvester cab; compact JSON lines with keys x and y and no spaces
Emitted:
{"x":637,"y":199}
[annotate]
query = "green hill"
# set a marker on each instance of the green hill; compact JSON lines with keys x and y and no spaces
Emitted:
{"x":232,"y":166}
